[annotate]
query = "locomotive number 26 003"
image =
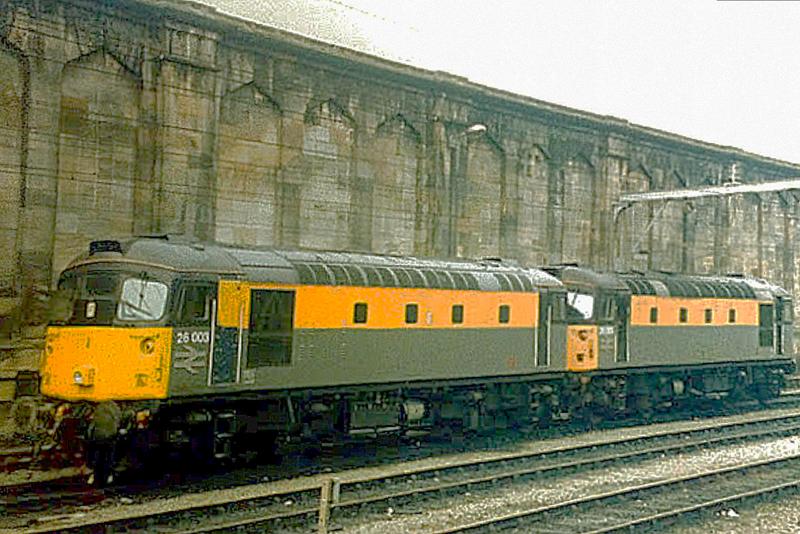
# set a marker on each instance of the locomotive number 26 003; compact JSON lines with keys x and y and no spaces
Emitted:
{"x":192,"y":337}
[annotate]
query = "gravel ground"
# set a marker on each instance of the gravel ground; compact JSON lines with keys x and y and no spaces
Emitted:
{"x":779,"y":517}
{"x":23,"y":476}
{"x":471,"y":506}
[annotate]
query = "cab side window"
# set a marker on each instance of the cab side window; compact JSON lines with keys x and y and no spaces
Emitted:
{"x":195,"y":305}
{"x":269,"y":341}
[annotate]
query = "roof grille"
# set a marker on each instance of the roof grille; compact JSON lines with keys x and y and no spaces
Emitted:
{"x":108,"y":245}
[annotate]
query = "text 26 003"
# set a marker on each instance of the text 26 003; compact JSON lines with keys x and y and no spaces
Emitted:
{"x":191,"y":337}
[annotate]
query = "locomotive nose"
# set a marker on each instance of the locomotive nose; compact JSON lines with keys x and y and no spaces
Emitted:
{"x":582,"y":348}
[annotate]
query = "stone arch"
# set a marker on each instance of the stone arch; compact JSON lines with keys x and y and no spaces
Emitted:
{"x":790,"y":240}
{"x":392,"y":160}
{"x":638,"y":180}
{"x":667,"y":237}
{"x":770,"y":231}
{"x":249,"y":157}
{"x":532,"y":160}
{"x":99,"y":120}
{"x":634,"y":243}
{"x":399,"y":124}
{"x":744,"y":220}
{"x":14,"y":87}
{"x":328,"y":111}
{"x":678,"y":179}
{"x":532,"y":205}
{"x":320,"y":189}
{"x":710,"y":224}
{"x":481,"y":200}
{"x":581,"y":159}
{"x":578,"y":210}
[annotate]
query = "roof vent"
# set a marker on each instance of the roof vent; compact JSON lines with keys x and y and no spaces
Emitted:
{"x":108,"y":245}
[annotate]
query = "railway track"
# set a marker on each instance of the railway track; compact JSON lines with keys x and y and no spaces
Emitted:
{"x":13,"y":458}
{"x":793,"y":382}
{"x":295,"y":505}
{"x":653,"y":503}
{"x":33,"y":468}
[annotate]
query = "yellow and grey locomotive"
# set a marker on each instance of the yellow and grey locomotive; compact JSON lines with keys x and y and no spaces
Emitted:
{"x":205,"y":347}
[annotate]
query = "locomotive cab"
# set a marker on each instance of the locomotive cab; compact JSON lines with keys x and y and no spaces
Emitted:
{"x":597,"y":317}
{"x":115,"y":342}
{"x":106,"y":359}
{"x":582,"y":330}
{"x":775,"y":319}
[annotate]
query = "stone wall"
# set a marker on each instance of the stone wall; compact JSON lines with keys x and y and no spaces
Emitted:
{"x":129,"y":117}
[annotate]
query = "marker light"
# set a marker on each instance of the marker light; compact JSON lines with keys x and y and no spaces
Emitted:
{"x":83,"y":376}
{"x":147,"y":345}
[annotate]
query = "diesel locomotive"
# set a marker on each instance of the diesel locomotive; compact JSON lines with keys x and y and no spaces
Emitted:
{"x":658,"y":338}
{"x":213,"y":350}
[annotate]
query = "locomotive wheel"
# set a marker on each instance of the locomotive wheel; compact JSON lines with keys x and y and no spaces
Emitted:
{"x":642,"y":406}
{"x":544,"y":413}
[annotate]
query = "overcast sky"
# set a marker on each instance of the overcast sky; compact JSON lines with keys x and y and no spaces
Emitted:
{"x":725,"y":72}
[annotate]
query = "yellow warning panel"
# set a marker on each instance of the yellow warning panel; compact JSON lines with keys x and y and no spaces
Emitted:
{"x":582,"y":353}
{"x":98,"y":363}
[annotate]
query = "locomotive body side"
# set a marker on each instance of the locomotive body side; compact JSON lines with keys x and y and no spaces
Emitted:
{"x":285,"y":337}
{"x":712,"y":321}
{"x":683,"y":331}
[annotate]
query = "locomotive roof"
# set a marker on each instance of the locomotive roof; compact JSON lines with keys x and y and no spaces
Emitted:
{"x":581,"y":276}
{"x":320,"y":267}
{"x":708,"y":286}
{"x":669,"y":284}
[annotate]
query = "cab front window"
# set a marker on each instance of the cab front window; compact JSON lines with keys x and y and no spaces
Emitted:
{"x":142,"y":300}
{"x":91,"y":297}
{"x":579,"y":305}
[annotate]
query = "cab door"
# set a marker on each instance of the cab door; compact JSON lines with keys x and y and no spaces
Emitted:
{"x":622,"y":324}
{"x":612,"y":318}
{"x":543,"y":348}
{"x":783,"y":324}
{"x":194,"y":334}
{"x":767,"y":326}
